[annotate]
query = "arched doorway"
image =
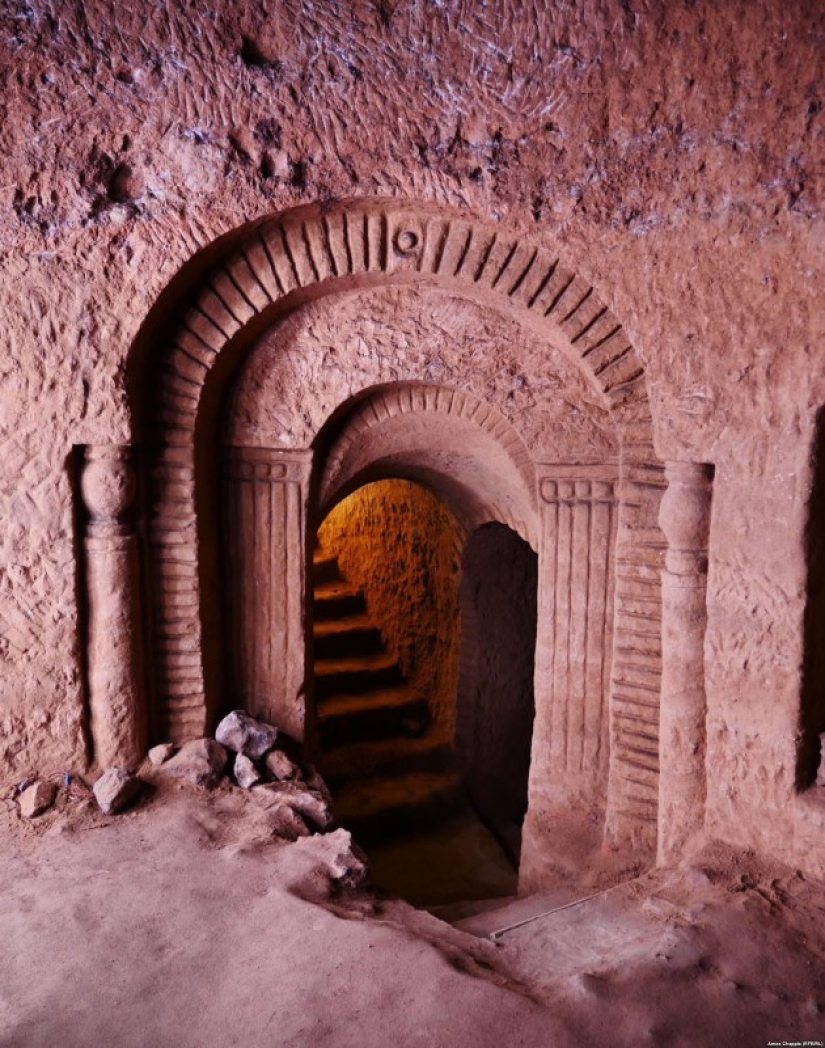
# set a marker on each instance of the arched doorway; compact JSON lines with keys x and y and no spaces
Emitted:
{"x":581,"y":444}
{"x":385,"y":579}
{"x":425,"y":704}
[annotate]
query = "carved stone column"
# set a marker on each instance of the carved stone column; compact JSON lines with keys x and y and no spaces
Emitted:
{"x":115,"y":659}
{"x":573,"y":646}
{"x":266,"y":505}
{"x":685,"y":520}
{"x":570,"y":754}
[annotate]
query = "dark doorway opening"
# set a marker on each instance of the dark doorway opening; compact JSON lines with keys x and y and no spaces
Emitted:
{"x":812,"y":714}
{"x":387,"y":645}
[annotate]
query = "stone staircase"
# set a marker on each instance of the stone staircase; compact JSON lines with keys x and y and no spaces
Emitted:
{"x":388,"y":770}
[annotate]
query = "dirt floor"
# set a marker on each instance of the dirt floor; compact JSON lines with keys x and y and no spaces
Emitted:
{"x":184,"y":923}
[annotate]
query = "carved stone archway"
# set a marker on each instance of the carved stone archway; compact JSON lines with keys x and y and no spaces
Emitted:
{"x":437,"y":417}
{"x":311,"y":252}
{"x":570,"y":521}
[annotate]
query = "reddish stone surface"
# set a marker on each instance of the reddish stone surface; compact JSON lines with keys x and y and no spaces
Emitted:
{"x":672,"y":159}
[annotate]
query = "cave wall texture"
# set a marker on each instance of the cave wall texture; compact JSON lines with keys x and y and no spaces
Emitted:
{"x":670,"y":152}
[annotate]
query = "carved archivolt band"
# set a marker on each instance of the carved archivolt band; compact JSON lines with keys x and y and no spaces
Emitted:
{"x":310,"y":252}
{"x":486,"y":454}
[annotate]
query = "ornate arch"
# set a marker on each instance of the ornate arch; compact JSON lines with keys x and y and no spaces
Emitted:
{"x":311,"y":252}
{"x":435,"y":413}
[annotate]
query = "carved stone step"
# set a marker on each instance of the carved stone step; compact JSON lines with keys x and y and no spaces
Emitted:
{"x":333,"y":600}
{"x":382,"y":714}
{"x":394,"y":756}
{"x":379,"y":807}
{"x":325,"y":568}
{"x":353,"y":635}
{"x":356,"y":674}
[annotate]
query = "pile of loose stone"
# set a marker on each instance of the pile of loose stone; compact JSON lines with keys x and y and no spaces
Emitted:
{"x":296,"y":801}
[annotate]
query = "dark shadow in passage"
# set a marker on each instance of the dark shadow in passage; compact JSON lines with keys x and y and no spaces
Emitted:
{"x":812,"y":714}
{"x":496,"y":706}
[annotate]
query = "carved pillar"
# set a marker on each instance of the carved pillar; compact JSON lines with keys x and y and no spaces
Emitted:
{"x":573,"y":647}
{"x":266,"y":581}
{"x":685,"y":520}
{"x":570,"y":754}
{"x":115,"y":659}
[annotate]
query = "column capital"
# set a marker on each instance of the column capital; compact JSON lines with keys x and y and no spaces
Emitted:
{"x":684,"y":516}
{"x":108,"y":484}
{"x":572,"y":482}
{"x":278,"y":465}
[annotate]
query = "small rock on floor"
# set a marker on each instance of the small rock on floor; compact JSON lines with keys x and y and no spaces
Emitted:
{"x":200,"y":762}
{"x":310,"y":804}
{"x":280,"y":767}
{"x":115,"y":788}
{"x":346,"y":863}
{"x":246,"y":774}
{"x":161,"y":753}
{"x":243,"y":734}
{"x":285,"y":822}
{"x":36,"y":799}
{"x":315,"y":782}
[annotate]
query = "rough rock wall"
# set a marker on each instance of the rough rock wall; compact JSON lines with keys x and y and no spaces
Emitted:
{"x":396,"y":540}
{"x":673,"y":151}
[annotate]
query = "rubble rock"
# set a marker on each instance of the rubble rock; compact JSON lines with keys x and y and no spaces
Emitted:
{"x":284,"y":818}
{"x":161,"y":753}
{"x":280,"y":767}
{"x":200,"y":762}
{"x":115,"y":788}
{"x":246,"y":774}
{"x":243,"y":734}
{"x":36,"y":799}
{"x":345,"y":863}
{"x":310,"y":804}
{"x":286,"y":822}
{"x":348,"y":864}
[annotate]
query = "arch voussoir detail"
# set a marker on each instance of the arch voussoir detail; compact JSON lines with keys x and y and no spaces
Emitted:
{"x":312,"y":252}
{"x":366,"y":425}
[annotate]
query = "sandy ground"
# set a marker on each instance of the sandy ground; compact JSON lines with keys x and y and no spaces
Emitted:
{"x":183,"y":923}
